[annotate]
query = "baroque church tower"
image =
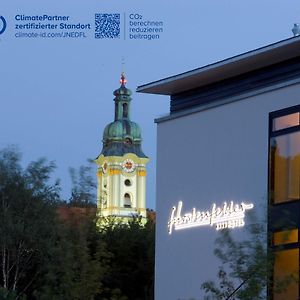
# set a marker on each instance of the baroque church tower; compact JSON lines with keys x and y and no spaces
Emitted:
{"x":122,"y":163}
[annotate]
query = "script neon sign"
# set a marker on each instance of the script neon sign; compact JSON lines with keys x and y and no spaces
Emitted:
{"x":226,"y":216}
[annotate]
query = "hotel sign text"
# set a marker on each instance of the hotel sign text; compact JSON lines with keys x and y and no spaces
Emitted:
{"x":229,"y":215}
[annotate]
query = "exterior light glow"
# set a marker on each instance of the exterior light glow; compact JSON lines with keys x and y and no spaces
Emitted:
{"x":227,"y":216}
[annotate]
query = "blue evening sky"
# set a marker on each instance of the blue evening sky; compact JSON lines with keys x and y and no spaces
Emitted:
{"x":56,"y":93}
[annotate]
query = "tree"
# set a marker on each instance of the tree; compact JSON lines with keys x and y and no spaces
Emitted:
{"x":84,"y":187}
{"x":53,"y":251}
{"x":27,"y":213}
{"x":131,"y":273}
{"x":79,"y":261}
{"x":246,"y":267}
{"x":244,"y":270}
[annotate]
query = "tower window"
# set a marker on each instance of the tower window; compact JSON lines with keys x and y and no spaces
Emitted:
{"x":127,"y":200}
{"x":128,"y":141}
{"x":127,"y":182}
{"x":116,"y":110}
{"x":125,"y":110}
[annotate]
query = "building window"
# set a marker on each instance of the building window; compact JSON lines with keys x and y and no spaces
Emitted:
{"x":285,"y":237}
{"x":284,"y":204}
{"x":286,"y":265}
{"x":127,"y":201}
{"x":286,"y":121}
{"x":286,"y":270}
{"x":285,"y":152}
{"x":285,"y":156}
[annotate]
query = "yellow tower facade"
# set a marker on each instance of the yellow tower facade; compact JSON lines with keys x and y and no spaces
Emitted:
{"x":122,"y":164}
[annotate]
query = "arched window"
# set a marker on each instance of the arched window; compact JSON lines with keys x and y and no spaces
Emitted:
{"x":116,"y":111}
{"x":125,"y":110}
{"x":127,"y":200}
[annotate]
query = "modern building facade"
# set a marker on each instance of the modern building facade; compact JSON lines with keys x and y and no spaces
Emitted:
{"x":122,"y":163}
{"x":230,"y":145}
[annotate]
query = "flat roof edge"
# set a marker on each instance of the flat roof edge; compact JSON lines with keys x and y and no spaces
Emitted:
{"x":225,"y":101}
{"x":160,"y":86}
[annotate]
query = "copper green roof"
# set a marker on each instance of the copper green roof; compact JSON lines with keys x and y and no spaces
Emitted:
{"x":122,"y":135}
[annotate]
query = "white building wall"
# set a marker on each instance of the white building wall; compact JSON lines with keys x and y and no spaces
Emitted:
{"x":216,"y":155}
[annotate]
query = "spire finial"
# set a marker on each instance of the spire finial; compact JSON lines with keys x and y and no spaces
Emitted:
{"x":123,"y":79}
{"x":123,"y":64}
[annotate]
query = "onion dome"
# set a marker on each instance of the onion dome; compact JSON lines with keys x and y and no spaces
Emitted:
{"x":122,"y":136}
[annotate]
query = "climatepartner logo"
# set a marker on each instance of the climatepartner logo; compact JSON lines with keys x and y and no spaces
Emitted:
{"x":2,"y":24}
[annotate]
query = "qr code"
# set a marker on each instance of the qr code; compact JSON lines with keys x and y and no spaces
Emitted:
{"x":107,"y":26}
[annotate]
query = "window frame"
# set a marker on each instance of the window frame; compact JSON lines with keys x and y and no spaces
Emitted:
{"x":281,"y":205}
{"x":276,"y":133}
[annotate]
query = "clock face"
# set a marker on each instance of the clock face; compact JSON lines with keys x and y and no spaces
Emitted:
{"x":128,"y":165}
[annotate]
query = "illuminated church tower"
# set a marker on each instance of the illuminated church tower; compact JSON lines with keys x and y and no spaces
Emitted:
{"x":122,"y":163}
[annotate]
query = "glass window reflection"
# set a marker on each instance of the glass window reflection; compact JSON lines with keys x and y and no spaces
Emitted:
{"x":285,"y":156}
{"x":286,"y":121}
{"x":286,"y":270}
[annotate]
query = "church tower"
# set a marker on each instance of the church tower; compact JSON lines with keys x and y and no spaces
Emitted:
{"x":122,"y":163}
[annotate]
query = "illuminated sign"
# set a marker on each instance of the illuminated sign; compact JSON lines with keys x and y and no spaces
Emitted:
{"x":226,"y":216}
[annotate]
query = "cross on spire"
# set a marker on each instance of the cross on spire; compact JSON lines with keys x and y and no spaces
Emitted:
{"x":123,"y":79}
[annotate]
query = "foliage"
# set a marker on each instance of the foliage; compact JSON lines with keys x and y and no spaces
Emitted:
{"x":27,"y":212}
{"x":49,"y":250}
{"x":83,"y":189}
{"x":245,"y":266}
{"x":78,"y":262}
{"x":132,"y":263}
